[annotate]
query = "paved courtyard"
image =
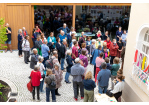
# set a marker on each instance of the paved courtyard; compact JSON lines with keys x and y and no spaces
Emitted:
{"x":13,"y":68}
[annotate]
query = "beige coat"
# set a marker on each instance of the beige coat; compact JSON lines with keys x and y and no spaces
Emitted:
{"x":58,"y":77}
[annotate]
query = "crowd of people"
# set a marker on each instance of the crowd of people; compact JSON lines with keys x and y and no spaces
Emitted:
{"x":50,"y":54}
{"x":51,"y":57}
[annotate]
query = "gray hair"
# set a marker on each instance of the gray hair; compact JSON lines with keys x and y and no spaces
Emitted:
{"x":23,"y":28}
{"x":93,"y":40}
{"x":54,"y":52}
{"x":64,"y":40}
{"x":57,"y":64}
{"x":64,"y":24}
{"x":36,"y":67}
{"x":40,"y":58}
{"x":99,"y":47}
{"x":45,"y":41}
{"x":38,"y":35}
{"x":34,"y":49}
{"x":19,"y":31}
{"x":68,"y":51}
{"x":103,"y":65}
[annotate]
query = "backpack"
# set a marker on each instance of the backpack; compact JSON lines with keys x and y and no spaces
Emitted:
{"x":52,"y":84}
{"x":49,"y":63}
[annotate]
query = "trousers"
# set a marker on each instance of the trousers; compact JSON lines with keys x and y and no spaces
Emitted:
{"x":88,"y":95}
{"x":26,"y":56}
{"x":76,"y":86}
{"x":33,"y":93}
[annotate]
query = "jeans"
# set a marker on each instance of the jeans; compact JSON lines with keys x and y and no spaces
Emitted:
{"x":33,"y":93}
{"x":62,"y":63}
{"x":76,"y":86}
{"x":67,"y":76}
{"x":88,"y":95}
{"x":33,"y":43}
{"x":41,"y":85}
{"x":102,"y":89}
{"x":45,"y":58}
{"x":48,"y":95}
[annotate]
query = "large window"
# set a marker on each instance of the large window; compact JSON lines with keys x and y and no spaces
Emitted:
{"x":140,"y":71}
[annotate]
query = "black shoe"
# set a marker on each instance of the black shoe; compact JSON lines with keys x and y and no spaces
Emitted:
{"x":26,"y":62}
{"x":68,"y":82}
{"x":58,"y":94}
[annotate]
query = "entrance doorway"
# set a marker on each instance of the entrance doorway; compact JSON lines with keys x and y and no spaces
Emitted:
{"x":50,"y":18}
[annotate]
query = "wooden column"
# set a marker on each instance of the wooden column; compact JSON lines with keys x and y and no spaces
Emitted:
{"x":74,"y":15}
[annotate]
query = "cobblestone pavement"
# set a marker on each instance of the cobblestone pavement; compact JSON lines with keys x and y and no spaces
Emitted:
{"x":13,"y":68}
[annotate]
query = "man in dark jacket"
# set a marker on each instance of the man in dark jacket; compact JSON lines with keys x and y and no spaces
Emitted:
{"x":69,"y":65}
{"x":34,"y":58}
{"x":64,"y":28}
{"x":82,"y":39}
{"x":62,"y":51}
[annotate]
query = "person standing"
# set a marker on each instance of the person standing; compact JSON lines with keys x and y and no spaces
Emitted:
{"x":26,"y":49}
{"x":114,"y":68}
{"x":89,"y":86}
{"x":77,"y":71}
{"x":34,"y":58}
{"x":58,"y":46}
{"x":95,"y":54}
{"x":24,"y":32}
{"x":38,"y":44}
{"x":81,"y":40}
{"x":124,"y":38}
{"x":84,"y":60}
{"x":52,"y":39}
{"x":58,"y":77}
{"x":8,"y":41}
{"x":105,"y":36}
{"x":48,"y":79}
{"x":75,"y":51}
{"x":70,"y":64}
{"x":20,"y":40}
{"x":34,"y":38}
{"x":35,"y":78}
{"x":119,"y":33}
{"x":63,"y":50}
{"x":41,"y":69}
{"x":64,"y":28}
{"x":92,"y":48}
{"x":99,"y":61}
{"x":108,"y":42}
{"x":62,"y":36}
{"x":123,"y":56}
{"x":103,"y":78}
{"x":45,"y":52}
{"x":120,"y":45}
{"x":113,"y":50}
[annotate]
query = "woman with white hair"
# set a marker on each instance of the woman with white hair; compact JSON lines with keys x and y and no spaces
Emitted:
{"x":70,"y":64}
{"x":35,"y":78}
{"x":41,"y":69}
{"x":24,"y":32}
{"x":58,"y":77}
{"x":99,"y":34}
{"x":20,"y":40}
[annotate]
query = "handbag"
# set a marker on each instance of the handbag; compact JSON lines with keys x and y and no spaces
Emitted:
{"x":108,"y":92}
{"x":29,"y":86}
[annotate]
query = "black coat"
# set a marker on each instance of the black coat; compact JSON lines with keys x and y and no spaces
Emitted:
{"x":69,"y":62}
{"x":62,"y":51}
{"x":58,"y":46}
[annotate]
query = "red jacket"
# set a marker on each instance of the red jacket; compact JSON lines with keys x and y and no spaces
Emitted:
{"x":108,"y":44}
{"x":113,"y":49}
{"x":35,"y":78}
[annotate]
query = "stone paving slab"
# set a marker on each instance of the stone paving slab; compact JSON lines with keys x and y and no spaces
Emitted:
{"x":14,"y":69}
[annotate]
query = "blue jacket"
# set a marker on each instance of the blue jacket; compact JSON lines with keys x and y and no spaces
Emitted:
{"x":62,"y":37}
{"x":108,"y":66}
{"x":53,"y":40}
{"x":61,"y":28}
{"x":95,"y":54}
{"x":19,"y":42}
{"x":118,"y":34}
{"x":89,"y":84}
{"x":103,"y":77}
{"x":69,"y":62}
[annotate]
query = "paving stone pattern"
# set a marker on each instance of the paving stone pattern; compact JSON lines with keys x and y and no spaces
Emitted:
{"x":13,"y":68}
